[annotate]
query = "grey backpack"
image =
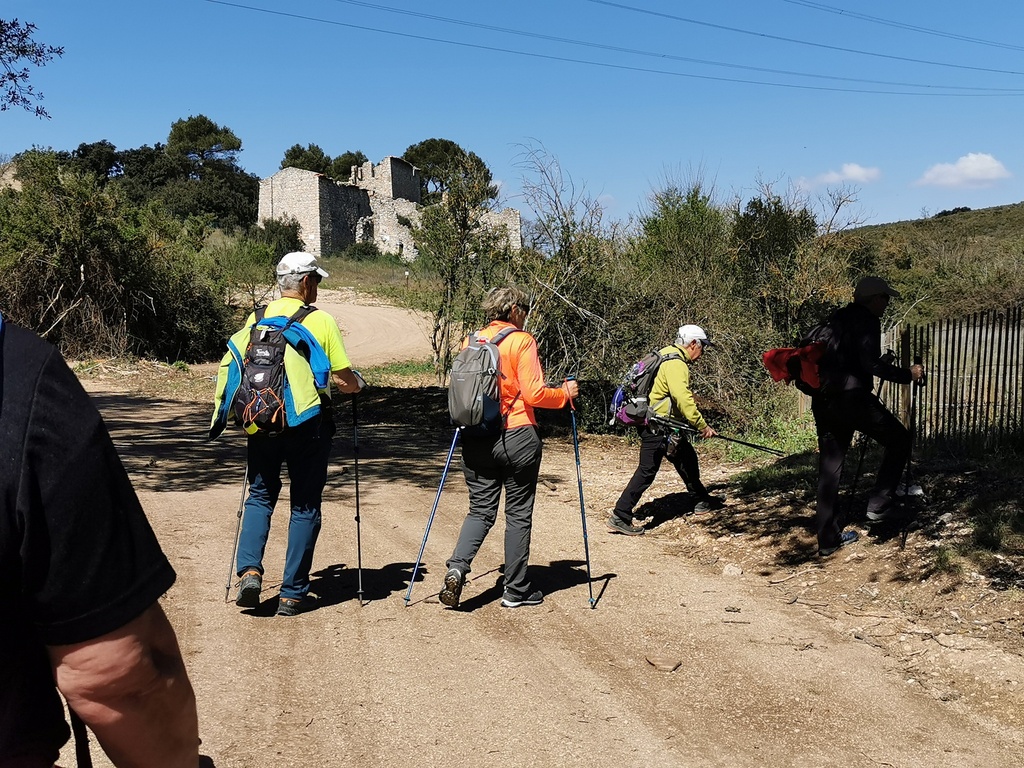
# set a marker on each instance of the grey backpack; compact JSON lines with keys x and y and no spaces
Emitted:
{"x":474,"y":389}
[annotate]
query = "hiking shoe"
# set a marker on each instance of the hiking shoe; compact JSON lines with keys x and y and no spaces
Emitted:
{"x":846,"y":537}
{"x":510,"y":601}
{"x":249,"y":588}
{"x":708,"y":504}
{"x":452,"y":590}
{"x":289,"y":606}
{"x":617,"y":525}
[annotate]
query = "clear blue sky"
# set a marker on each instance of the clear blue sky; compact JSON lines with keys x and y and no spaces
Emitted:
{"x":658,"y":90}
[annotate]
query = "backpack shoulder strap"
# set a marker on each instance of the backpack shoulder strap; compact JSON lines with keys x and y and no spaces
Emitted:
{"x":299,"y":315}
{"x":500,"y":335}
{"x":261,"y":312}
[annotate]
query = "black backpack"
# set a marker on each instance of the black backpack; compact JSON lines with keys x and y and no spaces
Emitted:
{"x":474,"y":388}
{"x":259,"y":403}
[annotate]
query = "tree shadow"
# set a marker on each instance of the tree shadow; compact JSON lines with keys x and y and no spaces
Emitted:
{"x":403,"y":434}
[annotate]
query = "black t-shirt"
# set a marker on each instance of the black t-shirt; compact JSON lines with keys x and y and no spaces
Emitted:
{"x":78,"y":558}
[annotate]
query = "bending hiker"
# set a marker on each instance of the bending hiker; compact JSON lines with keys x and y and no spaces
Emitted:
{"x":510,"y":458}
{"x":82,"y":575}
{"x":670,"y":397}
{"x":304,"y":445}
{"x":848,"y":404}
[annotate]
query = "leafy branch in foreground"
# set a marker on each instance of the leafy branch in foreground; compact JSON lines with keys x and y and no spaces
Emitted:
{"x":17,"y":47}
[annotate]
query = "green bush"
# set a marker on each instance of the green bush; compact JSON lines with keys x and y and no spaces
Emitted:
{"x":99,"y":276}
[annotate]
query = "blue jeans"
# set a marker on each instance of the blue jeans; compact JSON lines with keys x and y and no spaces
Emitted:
{"x":305,"y":450}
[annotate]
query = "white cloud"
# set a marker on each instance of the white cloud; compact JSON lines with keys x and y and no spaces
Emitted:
{"x":852,"y":172}
{"x":973,"y":170}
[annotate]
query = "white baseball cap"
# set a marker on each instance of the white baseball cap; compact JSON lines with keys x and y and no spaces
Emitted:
{"x":299,"y":263}
{"x":688,"y":333}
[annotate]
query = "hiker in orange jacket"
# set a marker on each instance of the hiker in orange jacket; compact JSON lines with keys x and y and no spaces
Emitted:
{"x":509,"y":459}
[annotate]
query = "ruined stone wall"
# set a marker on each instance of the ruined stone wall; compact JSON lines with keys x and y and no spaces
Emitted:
{"x":296,"y":194}
{"x":391,"y":178}
{"x":513,"y":223}
{"x":390,"y":234}
{"x":333,"y":215}
{"x":344,"y":207}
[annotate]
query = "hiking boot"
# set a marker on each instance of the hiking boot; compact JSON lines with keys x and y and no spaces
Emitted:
{"x":249,"y":588}
{"x":511,"y":601}
{"x":452,"y":590}
{"x":290,"y":606}
{"x":617,"y":525}
{"x":708,"y":504}
{"x":846,"y":537}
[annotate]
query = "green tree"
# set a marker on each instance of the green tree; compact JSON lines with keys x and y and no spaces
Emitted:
{"x":195,"y":174}
{"x":17,"y":48}
{"x":200,"y":139}
{"x":308,"y":158}
{"x":794,"y":267}
{"x":99,"y":158}
{"x":99,"y":276}
{"x":341,"y":166}
{"x":770,"y":235}
{"x":466,"y":254}
{"x":443,"y":163}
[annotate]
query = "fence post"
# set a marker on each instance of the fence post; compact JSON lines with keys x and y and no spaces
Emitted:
{"x":905,"y":360}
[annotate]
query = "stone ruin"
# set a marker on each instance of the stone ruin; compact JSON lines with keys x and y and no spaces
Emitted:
{"x":379,"y":204}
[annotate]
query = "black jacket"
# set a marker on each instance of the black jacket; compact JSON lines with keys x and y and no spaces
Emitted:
{"x":855,"y":352}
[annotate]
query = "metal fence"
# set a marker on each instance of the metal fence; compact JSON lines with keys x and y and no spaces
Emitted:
{"x":972,"y":398}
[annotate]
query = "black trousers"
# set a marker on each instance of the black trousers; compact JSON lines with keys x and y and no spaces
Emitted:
{"x":652,"y":450}
{"x":836,"y":418}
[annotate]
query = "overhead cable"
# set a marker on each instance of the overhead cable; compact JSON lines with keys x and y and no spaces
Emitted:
{"x":605,"y":65}
{"x":826,"y":46}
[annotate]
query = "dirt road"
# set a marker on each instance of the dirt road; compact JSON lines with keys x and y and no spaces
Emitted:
{"x":757,"y":678}
{"x":376,"y":333}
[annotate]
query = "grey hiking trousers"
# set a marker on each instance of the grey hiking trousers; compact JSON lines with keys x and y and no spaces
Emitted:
{"x":512,"y":461}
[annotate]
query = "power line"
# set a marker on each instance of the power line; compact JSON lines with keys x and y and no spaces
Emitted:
{"x":901,"y":25}
{"x":605,"y":65}
{"x":665,"y":56}
{"x":767,"y":36}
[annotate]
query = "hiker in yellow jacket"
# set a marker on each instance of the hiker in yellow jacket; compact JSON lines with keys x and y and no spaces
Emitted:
{"x":304,"y":448}
{"x":670,"y":397}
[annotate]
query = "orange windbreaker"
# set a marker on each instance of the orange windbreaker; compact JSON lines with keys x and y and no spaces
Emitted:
{"x":523,"y":376}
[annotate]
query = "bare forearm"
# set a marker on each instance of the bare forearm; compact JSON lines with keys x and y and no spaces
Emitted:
{"x":346,"y":381}
{"x":131,"y":688}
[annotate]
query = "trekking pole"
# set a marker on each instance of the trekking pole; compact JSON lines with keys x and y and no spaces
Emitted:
{"x":910,"y":487}
{"x":763,"y":448}
{"x":238,"y":528}
{"x":676,"y":424}
{"x":579,"y":482}
{"x":430,"y":520}
{"x":355,"y":469}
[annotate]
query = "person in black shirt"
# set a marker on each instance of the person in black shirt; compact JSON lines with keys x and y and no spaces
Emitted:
{"x":848,"y":404}
{"x":82,"y":573}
